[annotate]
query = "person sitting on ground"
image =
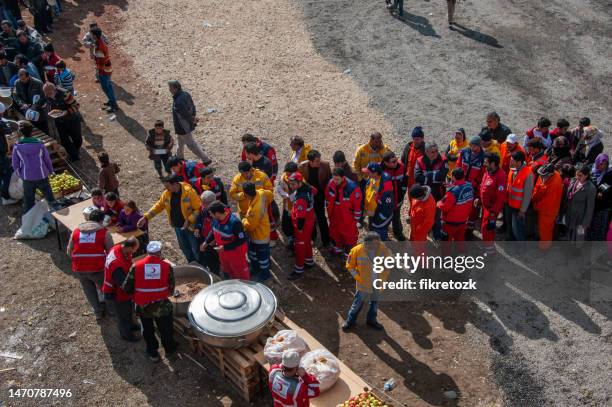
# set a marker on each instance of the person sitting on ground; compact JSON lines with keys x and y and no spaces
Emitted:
{"x":31,"y":31}
{"x":22,"y":62}
{"x":128,"y":218}
{"x":8,"y":36}
{"x":265,"y":149}
{"x":113,"y":207}
{"x":107,"y":178}
{"x":8,"y":70}
{"x":290,"y":384}
{"x":64,"y":77}
{"x":97,"y":198}
{"x":186,"y":170}
{"x":159,"y":143}
{"x":208,"y":182}
{"x":49,"y":59}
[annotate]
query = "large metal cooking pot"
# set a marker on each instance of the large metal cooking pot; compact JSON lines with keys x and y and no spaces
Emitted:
{"x":186,"y":274}
{"x":232,"y":313}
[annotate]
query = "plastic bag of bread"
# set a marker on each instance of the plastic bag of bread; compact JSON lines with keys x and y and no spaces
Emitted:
{"x":323,"y":365}
{"x":282,"y":341}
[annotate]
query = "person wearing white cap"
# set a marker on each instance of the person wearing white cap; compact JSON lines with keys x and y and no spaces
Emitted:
{"x":5,"y":164}
{"x":507,"y":148}
{"x":151,"y":281}
{"x":290,"y":384}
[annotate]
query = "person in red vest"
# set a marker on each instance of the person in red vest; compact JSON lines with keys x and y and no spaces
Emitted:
{"x":187,"y":170}
{"x":151,"y":281}
{"x":230,"y":241}
{"x":411,"y":153}
{"x":456,"y":207}
{"x":290,"y":385}
{"x":423,"y":214}
{"x":203,"y":227}
{"x":303,"y":217}
{"x":343,"y":201}
{"x":397,"y":172}
{"x":87,"y":247}
{"x":118,"y":263}
{"x":492,"y":199}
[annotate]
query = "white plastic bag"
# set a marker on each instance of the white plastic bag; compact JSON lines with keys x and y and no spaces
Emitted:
{"x":323,"y":365}
{"x":16,"y":187}
{"x":282,"y":341}
{"x":33,"y":223}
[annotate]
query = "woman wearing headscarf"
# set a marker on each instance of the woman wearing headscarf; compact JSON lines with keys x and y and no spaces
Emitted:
{"x":589,"y":146}
{"x":601,"y":176}
{"x":580,"y":202}
{"x":560,"y":153}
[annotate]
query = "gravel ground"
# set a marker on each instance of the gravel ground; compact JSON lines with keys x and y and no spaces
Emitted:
{"x":275,"y":67}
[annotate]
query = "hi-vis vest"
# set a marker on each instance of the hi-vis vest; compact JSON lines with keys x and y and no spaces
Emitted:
{"x":115,"y":260}
{"x":88,"y":254}
{"x":516,"y":187}
{"x":151,"y":280}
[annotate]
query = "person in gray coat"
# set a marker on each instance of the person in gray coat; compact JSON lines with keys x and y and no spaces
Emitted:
{"x":185,"y":121}
{"x":580,"y":202}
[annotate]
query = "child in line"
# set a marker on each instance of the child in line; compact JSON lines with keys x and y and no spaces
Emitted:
{"x":113,"y":207}
{"x":64,"y":77}
{"x":107,"y":180}
{"x":128,"y":217}
{"x":159,"y":142}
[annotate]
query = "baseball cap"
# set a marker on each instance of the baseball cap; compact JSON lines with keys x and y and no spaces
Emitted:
{"x":290,"y":359}
{"x":512,"y":138}
{"x":296,"y":176}
{"x":154,"y":247}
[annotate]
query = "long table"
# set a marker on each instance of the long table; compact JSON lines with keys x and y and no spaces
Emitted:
{"x":348,"y":384}
{"x":72,"y":216}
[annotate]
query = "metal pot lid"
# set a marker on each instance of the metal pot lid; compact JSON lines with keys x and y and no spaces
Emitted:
{"x":232,"y":308}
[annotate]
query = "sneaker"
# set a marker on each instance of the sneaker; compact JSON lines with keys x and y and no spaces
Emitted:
{"x":376,"y":325}
{"x":294,"y":275}
{"x":9,"y":201}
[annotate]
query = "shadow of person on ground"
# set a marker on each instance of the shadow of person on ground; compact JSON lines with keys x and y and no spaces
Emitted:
{"x":123,"y":94}
{"x":131,"y":126}
{"x":418,"y":23}
{"x":476,"y":35}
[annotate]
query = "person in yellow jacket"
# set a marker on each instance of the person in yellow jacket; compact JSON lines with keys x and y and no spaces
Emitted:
{"x":246,"y":173}
{"x":371,"y":152}
{"x":360,"y":264}
{"x":299,"y":150}
{"x":284,"y":191}
{"x":182,"y":205}
{"x":489,"y":145}
{"x":458,"y":143}
{"x":257,"y":226}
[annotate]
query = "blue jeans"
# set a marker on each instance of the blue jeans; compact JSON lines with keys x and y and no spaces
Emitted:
{"x":517,"y":224}
{"x":29,"y":193}
{"x":5,"y":177}
{"x":107,"y":88}
{"x":360,"y":298}
{"x":259,"y":259}
{"x":188,"y":243}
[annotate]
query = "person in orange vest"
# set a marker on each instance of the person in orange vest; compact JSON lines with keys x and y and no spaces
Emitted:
{"x":536,"y":154}
{"x":492,"y":199}
{"x":87,"y":247}
{"x":412,"y":152}
{"x":520,"y":187}
{"x":546,"y":200}
{"x":423,"y":215}
{"x":343,"y":202}
{"x":151,"y":281}
{"x":303,"y":217}
{"x":456,"y":207}
{"x":506,"y":149}
{"x":118,"y":263}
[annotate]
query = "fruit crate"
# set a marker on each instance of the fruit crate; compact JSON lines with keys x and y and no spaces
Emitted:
{"x":366,"y":399}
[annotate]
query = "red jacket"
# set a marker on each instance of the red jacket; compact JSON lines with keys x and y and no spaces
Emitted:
{"x":343,"y":203}
{"x":422,"y":216}
{"x":151,"y":280}
{"x":116,"y":259}
{"x":399,"y":181}
{"x":537,"y":161}
{"x":88,"y":253}
{"x":473,"y":167}
{"x":292,"y":391}
{"x":303,"y":206}
{"x":410,"y":155}
{"x":457,"y":203}
{"x":493,"y":191}
{"x":113,"y":211}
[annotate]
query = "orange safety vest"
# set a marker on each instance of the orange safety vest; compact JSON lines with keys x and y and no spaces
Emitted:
{"x":516,"y":186}
{"x":151,"y":280}
{"x":89,"y":253}
{"x":115,"y":260}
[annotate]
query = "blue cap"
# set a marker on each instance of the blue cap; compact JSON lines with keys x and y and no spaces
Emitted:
{"x":417,"y":132}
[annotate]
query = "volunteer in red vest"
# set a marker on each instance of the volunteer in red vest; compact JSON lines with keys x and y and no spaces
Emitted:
{"x":456,"y":207}
{"x":87,"y":247}
{"x":397,"y":172}
{"x":151,"y":281}
{"x":412,"y":151}
{"x":203,"y":227}
{"x":520,"y":188}
{"x":230,"y":241}
{"x":492,"y":199}
{"x":343,"y":201}
{"x":303,"y":217}
{"x":118,"y":264}
{"x":290,"y":385}
{"x":471,"y":160}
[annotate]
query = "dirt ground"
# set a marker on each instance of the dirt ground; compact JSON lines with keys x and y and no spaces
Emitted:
{"x":275,"y":67}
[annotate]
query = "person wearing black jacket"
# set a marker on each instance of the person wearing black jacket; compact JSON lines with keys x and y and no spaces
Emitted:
{"x":7,"y":70}
{"x":397,"y":173}
{"x":28,"y":94}
{"x":498,"y":130}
